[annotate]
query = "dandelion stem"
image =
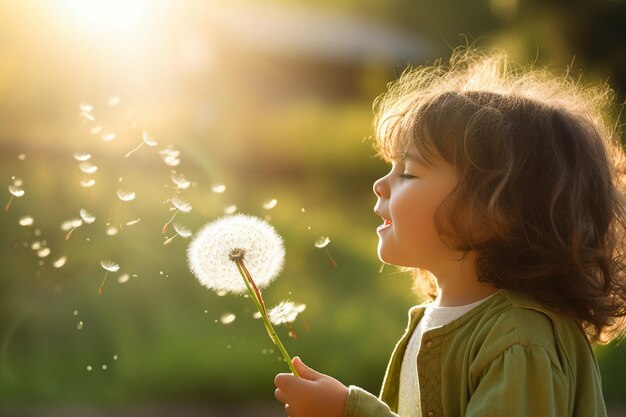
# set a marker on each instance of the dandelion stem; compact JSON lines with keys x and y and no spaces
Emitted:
{"x":258,"y":301}
{"x":167,"y":225}
{"x":69,"y":234}
{"x":168,"y":241}
{"x":129,"y":153}
{"x":101,"y":289}
{"x":8,"y":205}
{"x":332,"y":261}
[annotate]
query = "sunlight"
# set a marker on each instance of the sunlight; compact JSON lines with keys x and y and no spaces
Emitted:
{"x":105,"y":15}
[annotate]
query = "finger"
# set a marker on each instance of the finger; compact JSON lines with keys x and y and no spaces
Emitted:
{"x":281,"y":395}
{"x":306,"y":372}
{"x":285,"y":381}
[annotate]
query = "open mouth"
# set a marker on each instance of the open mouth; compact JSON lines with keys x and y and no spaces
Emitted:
{"x":386,"y":224}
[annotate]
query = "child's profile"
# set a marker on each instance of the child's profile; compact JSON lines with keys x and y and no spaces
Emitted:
{"x":506,"y":195}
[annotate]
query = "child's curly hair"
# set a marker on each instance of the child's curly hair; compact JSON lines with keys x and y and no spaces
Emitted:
{"x":542,"y":173}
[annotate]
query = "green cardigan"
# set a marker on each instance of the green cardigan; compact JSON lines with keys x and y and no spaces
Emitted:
{"x":509,"y":356}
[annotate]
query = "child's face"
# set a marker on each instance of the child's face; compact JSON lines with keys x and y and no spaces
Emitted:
{"x":408,"y":197}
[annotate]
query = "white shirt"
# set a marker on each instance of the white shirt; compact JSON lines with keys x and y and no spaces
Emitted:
{"x":434,"y":316}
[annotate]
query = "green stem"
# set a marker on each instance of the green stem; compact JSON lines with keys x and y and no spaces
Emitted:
{"x":255,"y":294}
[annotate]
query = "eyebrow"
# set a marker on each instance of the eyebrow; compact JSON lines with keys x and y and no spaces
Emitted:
{"x":414,"y":157}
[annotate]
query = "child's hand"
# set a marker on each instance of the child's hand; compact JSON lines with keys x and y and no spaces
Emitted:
{"x":313,"y":394}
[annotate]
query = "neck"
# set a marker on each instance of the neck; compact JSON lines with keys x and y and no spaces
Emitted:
{"x":459,"y":285}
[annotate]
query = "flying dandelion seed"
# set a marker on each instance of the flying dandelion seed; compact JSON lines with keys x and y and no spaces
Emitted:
{"x":230,"y":209}
{"x":227,"y":253}
{"x":16,"y":192}
{"x":86,"y":216}
{"x":322,"y":243}
{"x":85,"y":112}
{"x":95,"y":130}
{"x":180,"y":181}
{"x":170,"y":156}
{"x":218,"y":188}
{"x":124,"y":196}
{"x":80,"y":325}
{"x":60,"y":262}
{"x":104,"y":367}
{"x":285,"y":312}
{"x":89,"y":368}
{"x":26,"y":221}
{"x":82,"y":157}
{"x":268,"y":205}
{"x":87,"y":183}
{"x":71,"y":225}
{"x":114,"y":101}
{"x":21,"y":156}
{"x":180,"y":204}
{"x":132,"y":222}
{"x":109,"y":266}
{"x":257,"y":315}
{"x":42,"y":253}
{"x":87,"y":168}
{"x":108,"y":137}
{"x":147,"y":140}
{"x":227,"y":318}
{"x":112,"y":231}
{"x":181,"y":231}
{"x":36,"y":246}
{"x":123,"y":278}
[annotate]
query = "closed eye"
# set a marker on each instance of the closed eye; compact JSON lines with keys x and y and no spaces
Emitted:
{"x":406,"y":176}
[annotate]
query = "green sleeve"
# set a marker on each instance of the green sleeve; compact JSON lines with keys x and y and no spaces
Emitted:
{"x":523,"y":381}
{"x":363,"y":404}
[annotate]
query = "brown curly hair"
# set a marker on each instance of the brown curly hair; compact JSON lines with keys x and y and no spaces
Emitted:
{"x":541,"y":178}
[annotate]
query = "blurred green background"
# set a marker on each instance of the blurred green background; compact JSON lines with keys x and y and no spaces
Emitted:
{"x":273,"y":100}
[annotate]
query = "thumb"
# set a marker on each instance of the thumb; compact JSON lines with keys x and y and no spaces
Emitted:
{"x":306,"y":372}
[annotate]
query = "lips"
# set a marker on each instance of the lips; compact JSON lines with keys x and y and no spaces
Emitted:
{"x":386,"y":222}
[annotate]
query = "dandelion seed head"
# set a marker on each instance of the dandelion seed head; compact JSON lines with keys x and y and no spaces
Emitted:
{"x":110,"y":266}
{"x":126,"y":195}
{"x":87,"y":168}
{"x":181,"y":204}
{"x":82,"y":157}
{"x":148,"y":139}
{"x":87,"y":183}
{"x":26,"y":221}
{"x":108,"y":137}
{"x":181,"y":230}
{"x":322,"y":242}
{"x":218,"y":188}
{"x":285,"y":312}
{"x":59,"y":263}
{"x":268,"y":205}
{"x":210,"y":252}
{"x":86,"y":216}
{"x":15,"y":190}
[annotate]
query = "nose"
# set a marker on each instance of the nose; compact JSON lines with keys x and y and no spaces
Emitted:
{"x":380,"y":188}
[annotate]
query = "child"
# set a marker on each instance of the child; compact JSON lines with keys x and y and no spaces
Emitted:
{"x":505,"y":187}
